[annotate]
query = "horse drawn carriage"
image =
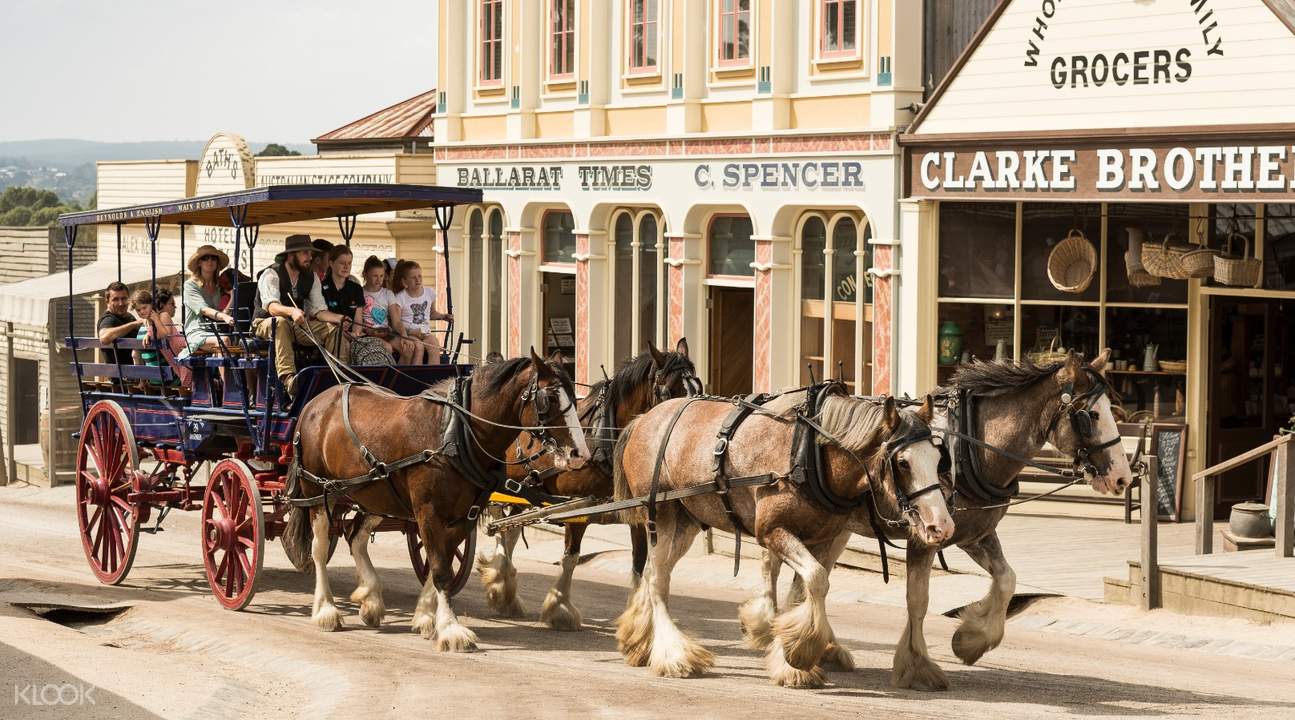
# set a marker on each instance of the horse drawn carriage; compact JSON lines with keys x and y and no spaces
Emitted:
{"x":145,"y":440}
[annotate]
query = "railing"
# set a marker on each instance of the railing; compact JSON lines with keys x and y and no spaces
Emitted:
{"x":1282,"y":448}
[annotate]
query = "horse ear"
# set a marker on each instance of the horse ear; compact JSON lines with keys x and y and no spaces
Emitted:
{"x":536,"y":361}
{"x":557,"y":358}
{"x":1099,"y":362}
{"x":681,"y":347}
{"x":891,"y":414}
{"x":657,"y":356}
{"x":927,"y":412}
{"x":1070,"y":368}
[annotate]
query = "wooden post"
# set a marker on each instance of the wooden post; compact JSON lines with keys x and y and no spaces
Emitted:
{"x":1285,"y":487}
{"x":709,"y":542}
{"x":1149,"y":509}
{"x":1205,"y":515}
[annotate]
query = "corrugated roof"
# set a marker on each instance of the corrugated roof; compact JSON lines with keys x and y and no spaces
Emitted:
{"x":406,"y":119}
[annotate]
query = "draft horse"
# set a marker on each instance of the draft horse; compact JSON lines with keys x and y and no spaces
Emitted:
{"x":640,"y":384}
{"x":789,"y":479}
{"x":434,"y":458}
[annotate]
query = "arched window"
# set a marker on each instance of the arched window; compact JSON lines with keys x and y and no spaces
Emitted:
{"x":494,"y":340}
{"x":649,"y":265}
{"x":731,"y":248}
{"x":813,"y":241}
{"x":623,"y":303}
{"x":476,"y":266}
{"x":832,"y":250}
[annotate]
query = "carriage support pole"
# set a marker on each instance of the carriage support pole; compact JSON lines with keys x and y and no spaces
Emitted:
{"x":1149,"y":508}
{"x":183,"y":311}
{"x":444,"y":216}
{"x":69,"y":239}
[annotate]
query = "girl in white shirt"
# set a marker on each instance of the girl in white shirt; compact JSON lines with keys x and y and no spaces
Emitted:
{"x":414,"y":310}
{"x":377,"y":313}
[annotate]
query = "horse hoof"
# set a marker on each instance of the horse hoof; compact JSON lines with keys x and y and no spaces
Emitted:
{"x":688,"y":659}
{"x":424,"y":625}
{"x":329,"y":618}
{"x":803,"y":635}
{"x":837,"y":658}
{"x":970,"y":645}
{"x":372,"y":612}
{"x":499,"y":578}
{"x":559,"y":614}
{"x":756,"y":616}
{"x":780,"y":673}
{"x":921,"y":676}
{"x":456,"y":639}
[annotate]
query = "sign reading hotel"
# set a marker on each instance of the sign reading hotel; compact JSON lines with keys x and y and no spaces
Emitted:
{"x":1205,"y":172}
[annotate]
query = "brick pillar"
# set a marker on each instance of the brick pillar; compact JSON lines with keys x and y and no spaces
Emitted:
{"x":583,"y":300}
{"x":762,"y":350}
{"x":883,"y":320}
{"x":675,"y":292}
{"x":514,"y":294}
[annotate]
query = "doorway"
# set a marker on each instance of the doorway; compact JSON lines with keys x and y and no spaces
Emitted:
{"x":559,"y":292}
{"x":1250,"y":389}
{"x":732,"y":324}
{"x":25,"y":404}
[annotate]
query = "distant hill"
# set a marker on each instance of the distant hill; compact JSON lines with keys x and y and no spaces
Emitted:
{"x":67,"y":166}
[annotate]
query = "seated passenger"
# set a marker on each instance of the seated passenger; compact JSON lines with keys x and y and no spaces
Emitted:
{"x":342,"y":293}
{"x":160,"y":333}
{"x":117,"y":323}
{"x":227,"y":279}
{"x":290,"y":291}
{"x":320,"y":263}
{"x":378,"y":314}
{"x":202,"y":299}
{"x":415,"y":307}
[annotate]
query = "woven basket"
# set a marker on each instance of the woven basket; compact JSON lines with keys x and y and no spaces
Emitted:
{"x":1072,"y":263}
{"x":1164,"y":260}
{"x":1198,"y":263}
{"x":1240,"y":271}
{"x":1052,"y":355}
{"x":1142,"y":279}
{"x":1173,"y":366}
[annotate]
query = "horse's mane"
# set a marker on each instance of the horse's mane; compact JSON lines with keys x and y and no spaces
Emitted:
{"x":990,"y":379}
{"x":857,"y":424}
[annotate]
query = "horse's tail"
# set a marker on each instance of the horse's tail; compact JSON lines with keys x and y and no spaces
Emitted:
{"x":298,"y":537}
{"x":620,"y":485}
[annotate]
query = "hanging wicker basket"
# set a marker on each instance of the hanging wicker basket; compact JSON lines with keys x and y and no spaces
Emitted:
{"x":1072,"y":263}
{"x":1143,"y":279}
{"x":1198,"y":263}
{"x":1165,"y":260}
{"x":1238,"y":271}
{"x":1053,"y":354}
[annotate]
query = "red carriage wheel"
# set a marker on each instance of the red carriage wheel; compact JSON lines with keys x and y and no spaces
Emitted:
{"x":464,"y":555}
{"x":106,"y":459}
{"x":233,"y":533}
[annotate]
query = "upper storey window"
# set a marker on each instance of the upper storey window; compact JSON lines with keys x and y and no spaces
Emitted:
{"x":643,"y":35}
{"x":492,"y":42}
{"x":839,"y":28}
{"x":734,"y":32}
{"x":562,"y":39}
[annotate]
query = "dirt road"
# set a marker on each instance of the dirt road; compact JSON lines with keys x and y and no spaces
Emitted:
{"x":173,"y":652}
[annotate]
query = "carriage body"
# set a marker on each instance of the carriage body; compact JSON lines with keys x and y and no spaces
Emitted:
{"x":223,"y":446}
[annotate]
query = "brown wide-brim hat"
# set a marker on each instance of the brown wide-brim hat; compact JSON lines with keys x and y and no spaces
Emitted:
{"x":222,"y":260}
{"x":295,"y":243}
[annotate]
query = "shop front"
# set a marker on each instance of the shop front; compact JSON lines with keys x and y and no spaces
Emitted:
{"x":759,"y":251}
{"x":1066,"y":190}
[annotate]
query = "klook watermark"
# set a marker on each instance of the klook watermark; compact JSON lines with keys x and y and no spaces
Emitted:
{"x":35,"y":695}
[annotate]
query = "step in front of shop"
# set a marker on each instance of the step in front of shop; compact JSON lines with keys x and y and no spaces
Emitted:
{"x":1196,"y":589}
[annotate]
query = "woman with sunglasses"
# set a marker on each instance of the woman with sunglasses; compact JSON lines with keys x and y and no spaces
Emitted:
{"x":202,"y":298}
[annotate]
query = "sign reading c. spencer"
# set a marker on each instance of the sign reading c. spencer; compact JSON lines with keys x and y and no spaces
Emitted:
{"x":1204,"y":172}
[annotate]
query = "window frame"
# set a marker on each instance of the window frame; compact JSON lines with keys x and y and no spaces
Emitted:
{"x":825,"y":53}
{"x":862,"y":315}
{"x":485,"y":56}
{"x":660,"y":316}
{"x":569,"y":43}
{"x":722,"y":17}
{"x":632,"y":21}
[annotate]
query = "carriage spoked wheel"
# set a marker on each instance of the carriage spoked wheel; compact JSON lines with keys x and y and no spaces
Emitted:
{"x":233,"y":533}
{"x":106,"y":459}
{"x":464,"y":555}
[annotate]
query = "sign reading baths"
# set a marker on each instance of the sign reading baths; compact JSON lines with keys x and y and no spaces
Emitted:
{"x":1176,"y":172}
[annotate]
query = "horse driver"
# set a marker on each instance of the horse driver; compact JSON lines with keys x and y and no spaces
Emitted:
{"x":301,"y":309}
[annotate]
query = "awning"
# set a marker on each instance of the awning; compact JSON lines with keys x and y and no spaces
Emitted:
{"x":27,"y":302}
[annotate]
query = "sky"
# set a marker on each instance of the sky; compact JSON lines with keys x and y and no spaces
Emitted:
{"x":273,"y":70}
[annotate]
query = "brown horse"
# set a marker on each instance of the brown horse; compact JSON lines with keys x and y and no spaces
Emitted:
{"x":1019,"y":407}
{"x":865,"y":447}
{"x":637,"y":386}
{"x":460,"y":453}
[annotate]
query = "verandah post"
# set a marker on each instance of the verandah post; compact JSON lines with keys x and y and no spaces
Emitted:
{"x":1284,"y":479}
{"x":1150,"y":510}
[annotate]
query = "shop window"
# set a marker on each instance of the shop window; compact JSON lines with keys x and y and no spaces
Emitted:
{"x":559,"y":237}
{"x":1131,"y":226}
{"x":1043,"y":227}
{"x":828,"y":293}
{"x":813,"y":270}
{"x":1279,"y":247}
{"x":838,"y":28}
{"x":623,"y":303}
{"x":562,"y":39}
{"x":494,"y":283}
{"x":1140,"y":339}
{"x":476,"y":266}
{"x":649,"y":264}
{"x":977,"y":250}
{"x":734,"y":32}
{"x":972,"y":331}
{"x":491,"y":32}
{"x":643,"y":36}
{"x":1060,"y":327}
{"x":731,"y":248}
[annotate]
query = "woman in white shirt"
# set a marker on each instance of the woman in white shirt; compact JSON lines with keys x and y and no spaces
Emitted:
{"x":414,"y":311}
{"x":377,"y":314}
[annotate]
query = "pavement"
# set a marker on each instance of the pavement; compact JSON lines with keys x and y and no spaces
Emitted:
{"x":160,"y":646}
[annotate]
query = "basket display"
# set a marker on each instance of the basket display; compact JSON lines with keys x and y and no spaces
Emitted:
{"x":1242,"y":271}
{"x":1053,"y":354}
{"x":1164,"y":260}
{"x":1198,"y":263}
{"x":1173,"y":366}
{"x":1072,"y":263}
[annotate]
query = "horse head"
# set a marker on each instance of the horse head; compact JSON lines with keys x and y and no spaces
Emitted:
{"x":674,"y":374}
{"x":1083,"y":424}
{"x":913,"y":462}
{"x":549,"y":404}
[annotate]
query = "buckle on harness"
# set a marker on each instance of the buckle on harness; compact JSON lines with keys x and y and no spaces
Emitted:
{"x":721,"y":447}
{"x":512,"y":486}
{"x":474,"y":512}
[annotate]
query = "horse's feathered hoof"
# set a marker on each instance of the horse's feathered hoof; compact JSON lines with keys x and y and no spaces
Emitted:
{"x":756,"y":616}
{"x":837,"y":658}
{"x":499,"y":578}
{"x":780,"y":673}
{"x":372,"y":607}
{"x":329,"y":618}
{"x":918,"y":673}
{"x":424,"y":625}
{"x":686,"y":659}
{"x":971,"y":643}
{"x":456,"y":638}
{"x":559,"y":614}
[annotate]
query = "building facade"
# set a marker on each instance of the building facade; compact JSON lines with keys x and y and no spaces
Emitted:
{"x":723,"y":171}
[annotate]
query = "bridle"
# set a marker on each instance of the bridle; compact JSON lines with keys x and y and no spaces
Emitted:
{"x":907,"y":507}
{"x":675,"y":364}
{"x":1079,"y":410}
{"x":542,"y":400}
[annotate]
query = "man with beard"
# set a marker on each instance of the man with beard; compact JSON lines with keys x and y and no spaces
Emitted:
{"x":290,"y":291}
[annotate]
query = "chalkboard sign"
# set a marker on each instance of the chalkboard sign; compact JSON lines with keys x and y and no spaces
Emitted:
{"x":1169,"y":443}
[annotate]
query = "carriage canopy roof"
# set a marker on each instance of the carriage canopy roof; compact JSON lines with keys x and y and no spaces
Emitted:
{"x":281,"y":204}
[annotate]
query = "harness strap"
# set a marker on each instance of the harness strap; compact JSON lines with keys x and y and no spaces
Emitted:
{"x":969,"y":462}
{"x":725,"y":434}
{"x":665,"y":496}
{"x":660,"y":463}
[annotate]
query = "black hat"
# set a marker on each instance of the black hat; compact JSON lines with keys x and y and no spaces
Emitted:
{"x":295,"y":243}
{"x":322,"y":245}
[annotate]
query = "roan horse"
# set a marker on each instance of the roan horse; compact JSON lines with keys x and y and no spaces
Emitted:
{"x":1018,"y":407}
{"x":453,"y":441}
{"x":864,"y":448}
{"x":641,"y":383}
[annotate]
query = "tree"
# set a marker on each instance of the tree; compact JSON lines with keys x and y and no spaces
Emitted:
{"x":276,"y":150}
{"x":26,"y":206}
{"x":19,"y":216}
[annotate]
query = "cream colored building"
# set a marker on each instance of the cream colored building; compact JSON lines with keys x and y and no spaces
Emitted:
{"x":720,"y":170}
